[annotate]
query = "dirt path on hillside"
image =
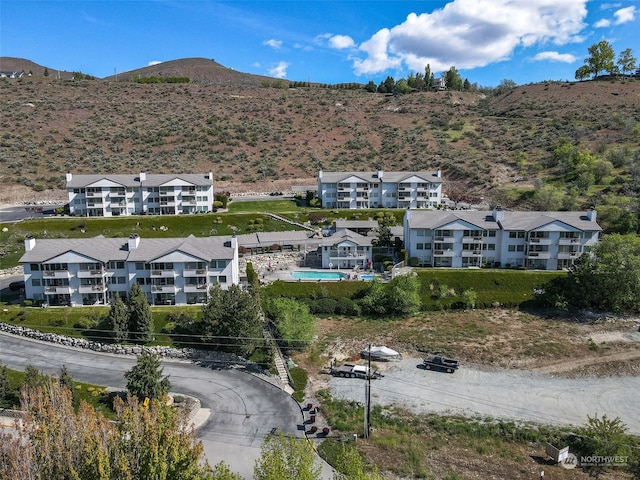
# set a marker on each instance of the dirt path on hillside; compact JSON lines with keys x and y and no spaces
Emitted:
{"x":577,"y":364}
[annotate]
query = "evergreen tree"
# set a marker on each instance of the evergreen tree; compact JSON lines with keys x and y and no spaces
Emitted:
{"x":145,"y":380}
{"x":235,"y":315}
{"x":5,"y":384}
{"x":118,"y":319}
{"x":140,"y":319}
{"x":65,"y":379}
{"x":452,"y":79}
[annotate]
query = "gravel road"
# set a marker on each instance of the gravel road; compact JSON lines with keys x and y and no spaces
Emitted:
{"x":508,"y":394}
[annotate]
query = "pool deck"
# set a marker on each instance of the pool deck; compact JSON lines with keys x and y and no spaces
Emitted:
{"x":285,"y":275}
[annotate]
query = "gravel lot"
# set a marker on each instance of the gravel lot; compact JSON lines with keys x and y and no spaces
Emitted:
{"x":509,"y":394}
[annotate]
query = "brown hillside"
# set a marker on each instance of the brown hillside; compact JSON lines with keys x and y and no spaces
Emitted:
{"x":258,"y":138}
{"x":11,"y":64}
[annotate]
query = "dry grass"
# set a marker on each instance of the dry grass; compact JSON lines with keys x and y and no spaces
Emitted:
{"x":265,"y":139}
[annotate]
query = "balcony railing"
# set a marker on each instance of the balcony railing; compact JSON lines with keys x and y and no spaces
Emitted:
{"x":163,"y":273}
{"x":56,"y":274}
{"x":195,"y":287}
{"x":192,"y":272}
{"x":338,"y":254}
{"x":163,"y":288}
{"x":59,"y":289}
{"x":90,"y":273}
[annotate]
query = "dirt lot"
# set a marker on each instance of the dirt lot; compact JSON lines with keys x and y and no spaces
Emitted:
{"x":515,"y":366}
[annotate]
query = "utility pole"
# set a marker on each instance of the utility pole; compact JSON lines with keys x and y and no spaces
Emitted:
{"x":367,"y":398}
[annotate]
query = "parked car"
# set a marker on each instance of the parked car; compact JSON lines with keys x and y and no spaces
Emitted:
{"x":349,"y":370}
{"x":439,"y":362}
{"x":16,"y":286}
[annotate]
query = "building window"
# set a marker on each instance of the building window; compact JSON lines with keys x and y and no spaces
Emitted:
{"x":421,"y":232}
{"x":34,"y":267}
{"x":489,"y":233}
{"x":35,"y":282}
{"x":516,"y":234}
{"x":420,"y":246}
{"x":222,"y":279}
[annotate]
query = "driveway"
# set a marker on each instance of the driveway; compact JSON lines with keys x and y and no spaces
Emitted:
{"x":244,"y":409}
{"x":508,"y":394}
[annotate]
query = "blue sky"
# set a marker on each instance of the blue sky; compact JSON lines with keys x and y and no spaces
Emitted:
{"x":323,"y":41}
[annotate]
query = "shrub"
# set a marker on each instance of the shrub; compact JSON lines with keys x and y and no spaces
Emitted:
{"x":413,"y":262}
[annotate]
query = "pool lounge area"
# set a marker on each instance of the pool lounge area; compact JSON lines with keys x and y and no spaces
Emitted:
{"x":324,"y":276}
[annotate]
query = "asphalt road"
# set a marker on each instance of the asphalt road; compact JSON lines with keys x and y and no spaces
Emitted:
{"x":244,"y":408}
{"x":23,"y":212}
{"x":508,"y":394}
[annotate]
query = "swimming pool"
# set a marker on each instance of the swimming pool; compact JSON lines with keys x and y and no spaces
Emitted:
{"x":318,"y":275}
{"x":367,"y":277}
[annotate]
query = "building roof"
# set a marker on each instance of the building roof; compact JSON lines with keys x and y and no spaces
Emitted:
{"x":343,"y":235}
{"x":356,"y":224}
{"x":266,"y":239}
{"x":133,"y":180}
{"x":103,"y":249}
{"x":373,"y":177}
{"x":527,"y":221}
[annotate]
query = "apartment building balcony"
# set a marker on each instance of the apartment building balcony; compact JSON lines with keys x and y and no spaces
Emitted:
{"x":164,"y":289}
{"x":92,"y":288}
{"x":345,"y":189}
{"x":90,"y":273}
{"x":472,"y":253}
{"x":569,"y":241}
{"x":540,"y":241}
{"x":93,"y":194}
{"x":363,"y":189}
{"x":344,"y":204}
{"x":445,"y":239}
{"x":443,"y":253}
{"x":190,"y":191}
{"x":351,"y":254}
{"x":189,"y":203}
{"x":58,"y":289}
{"x":163,"y":273}
{"x":190,"y":272}
{"x":568,"y":255}
{"x":167,"y":203}
{"x":98,"y":205}
{"x":539,"y":255}
{"x":471,"y":239}
{"x":405,"y":189}
{"x":56,"y":274}
{"x":192,"y":288}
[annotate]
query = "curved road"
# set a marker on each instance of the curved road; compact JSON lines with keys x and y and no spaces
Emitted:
{"x":244,"y":408}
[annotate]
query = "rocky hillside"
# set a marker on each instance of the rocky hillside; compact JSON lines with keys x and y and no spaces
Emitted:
{"x":256,"y":134}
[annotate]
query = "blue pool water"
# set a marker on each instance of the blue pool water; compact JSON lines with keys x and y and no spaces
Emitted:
{"x":367,"y":277}
{"x":318,"y":275}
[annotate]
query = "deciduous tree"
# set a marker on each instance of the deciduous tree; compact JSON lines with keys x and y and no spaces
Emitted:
{"x":626,"y":61}
{"x":603,"y":438}
{"x":285,"y":457}
{"x":296,"y":326}
{"x":601,"y":58}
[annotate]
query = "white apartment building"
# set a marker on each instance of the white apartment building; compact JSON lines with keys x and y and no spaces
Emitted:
{"x":171,"y":271}
{"x":152,"y":194}
{"x":498,"y":238}
{"x":346,"y":249}
{"x":380,"y":189}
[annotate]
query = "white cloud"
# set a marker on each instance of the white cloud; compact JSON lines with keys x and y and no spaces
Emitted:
{"x":341,"y":41}
{"x":280,"y":70}
{"x":273,"y":43}
{"x":555,"y":57}
{"x":153,"y":62}
{"x":602,"y":23}
{"x":625,"y":15}
{"x":471,"y":33}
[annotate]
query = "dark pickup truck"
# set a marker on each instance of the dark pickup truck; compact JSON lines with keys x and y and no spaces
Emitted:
{"x":438,"y":362}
